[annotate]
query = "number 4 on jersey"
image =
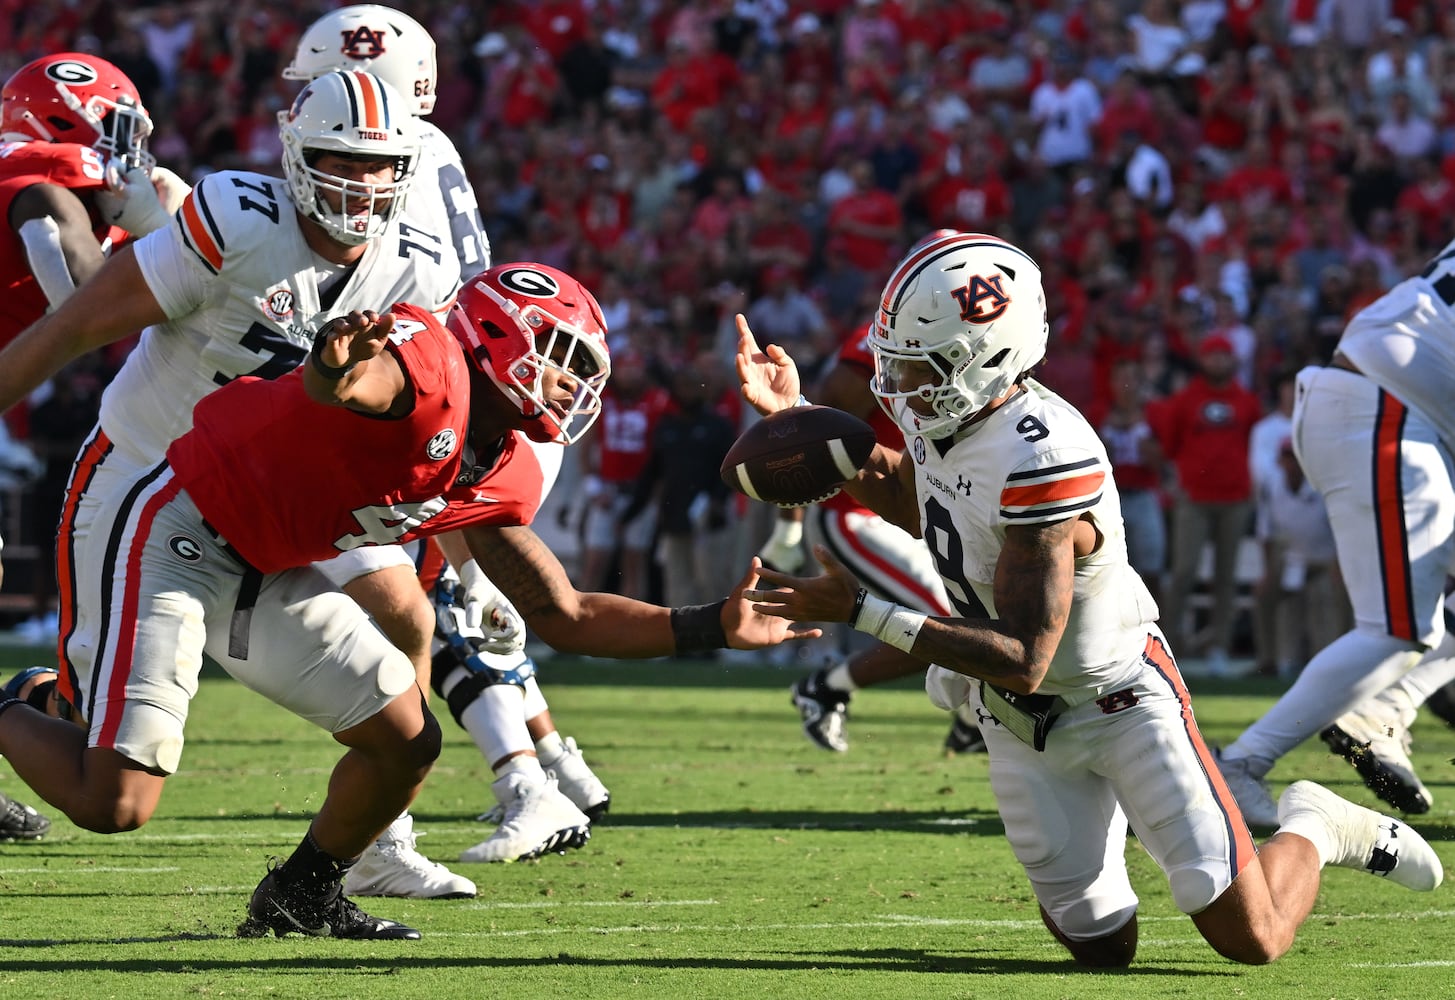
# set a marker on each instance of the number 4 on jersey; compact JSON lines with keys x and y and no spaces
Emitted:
{"x":385,"y":524}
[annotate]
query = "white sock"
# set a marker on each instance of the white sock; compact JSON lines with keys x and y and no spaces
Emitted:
{"x":1310,"y":828}
{"x":1344,"y":673}
{"x":525,"y":764}
{"x":495,"y":723}
{"x":839,"y":678}
{"x":550,"y":747}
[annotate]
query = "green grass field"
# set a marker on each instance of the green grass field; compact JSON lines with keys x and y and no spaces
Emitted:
{"x":738,"y":861}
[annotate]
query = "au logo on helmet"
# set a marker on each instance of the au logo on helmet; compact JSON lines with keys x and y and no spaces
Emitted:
{"x":982,"y":300}
{"x":363,"y":42}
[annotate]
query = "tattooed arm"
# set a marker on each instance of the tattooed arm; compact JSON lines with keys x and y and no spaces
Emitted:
{"x":598,"y":624}
{"x":1033,"y":588}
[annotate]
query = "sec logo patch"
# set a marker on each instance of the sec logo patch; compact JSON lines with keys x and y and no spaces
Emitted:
{"x":441,"y":446}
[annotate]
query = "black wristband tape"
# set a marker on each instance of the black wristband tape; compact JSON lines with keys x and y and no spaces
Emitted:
{"x":315,"y":358}
{"x":8,"y":703}
{"x":858,"y":607}
{"x":697,"y":628}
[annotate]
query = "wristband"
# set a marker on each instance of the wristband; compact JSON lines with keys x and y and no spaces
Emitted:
{"x":886,"y":621}
{"x":697,"y":628}
{"x":8,"y":703}
{"x":328,"y":371}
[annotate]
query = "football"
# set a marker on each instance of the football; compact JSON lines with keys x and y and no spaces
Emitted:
{"x":798,"y":456}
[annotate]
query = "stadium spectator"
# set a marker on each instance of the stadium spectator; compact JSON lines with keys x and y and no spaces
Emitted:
{"x":1204,"y":431}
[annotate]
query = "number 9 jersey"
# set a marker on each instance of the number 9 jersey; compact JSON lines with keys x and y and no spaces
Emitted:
{"x":244,"y":293}
{"x":1035,"y":460}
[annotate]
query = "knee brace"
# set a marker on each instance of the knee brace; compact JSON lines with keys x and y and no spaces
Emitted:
{"x":460,"y":682}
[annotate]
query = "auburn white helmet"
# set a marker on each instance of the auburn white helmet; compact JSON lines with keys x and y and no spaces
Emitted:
{"x":77,"y":97}
{"x":356,"y":115}
{"x":962,"y":318}
{"x":380,"y":40}
{"x":516,"y":322}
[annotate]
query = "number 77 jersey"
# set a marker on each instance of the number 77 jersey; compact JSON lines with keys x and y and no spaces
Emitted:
{"x":243,"y":294}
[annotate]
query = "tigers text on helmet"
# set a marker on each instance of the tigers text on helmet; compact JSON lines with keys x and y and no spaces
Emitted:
{"x":962,"y":318}
{"x":519,"y":322}
{"x":379,"y":40}
{"x":79,"y":98}
{"x":355,"y":115}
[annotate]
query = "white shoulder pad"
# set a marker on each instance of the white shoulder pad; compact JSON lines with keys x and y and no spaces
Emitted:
{"x":234,"y":219}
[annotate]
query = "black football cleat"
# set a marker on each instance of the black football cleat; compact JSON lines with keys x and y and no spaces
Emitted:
{"x":824,"y":711}
{"x":283,"y":911}
{"x":20,"y":822}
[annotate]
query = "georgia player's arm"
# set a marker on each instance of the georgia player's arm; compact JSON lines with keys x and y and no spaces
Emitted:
{"x":114,"y":303}
{"x":54,"y":226}
{"x":595,"y":624}
{"x":372,"y":379}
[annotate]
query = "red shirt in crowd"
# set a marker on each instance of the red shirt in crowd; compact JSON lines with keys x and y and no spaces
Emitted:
{"x":1204,"y":430}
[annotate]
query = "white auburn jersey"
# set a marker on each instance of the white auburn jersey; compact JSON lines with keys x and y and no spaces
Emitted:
{"x":1036,"y":460}
{"x":241,"y":288}
{"x":1404,"y":341}
{"x":442,"y":195}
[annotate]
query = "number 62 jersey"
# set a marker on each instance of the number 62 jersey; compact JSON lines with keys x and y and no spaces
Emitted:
{"x":244,"y":293}
{"x":1035,"y":460}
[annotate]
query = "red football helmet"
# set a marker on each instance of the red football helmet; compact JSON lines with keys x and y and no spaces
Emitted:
{"x":80,"y":98}
{"x":518,"y":321}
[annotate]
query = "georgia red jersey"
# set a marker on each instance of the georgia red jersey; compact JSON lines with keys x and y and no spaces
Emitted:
{"x":624,"y":440}
{"x":856,"y":354}
{"x":23,"y":165}
{"x":288,"y":481}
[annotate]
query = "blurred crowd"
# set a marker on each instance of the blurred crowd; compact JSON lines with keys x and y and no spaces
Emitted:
{"x":1198,"y":179}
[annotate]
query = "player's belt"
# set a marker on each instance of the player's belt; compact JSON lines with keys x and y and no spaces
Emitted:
{"x":1029,"y":717}
{"x":240,"y":628}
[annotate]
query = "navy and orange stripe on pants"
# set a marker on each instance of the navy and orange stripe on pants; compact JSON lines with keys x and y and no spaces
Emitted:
{"x":1389,"y":522}
{"x":1159,"y":659}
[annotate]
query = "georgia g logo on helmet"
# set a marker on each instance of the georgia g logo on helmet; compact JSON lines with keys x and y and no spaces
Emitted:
{"x":71,"y":71}
{"x":982,"y":299}
{"x":529,"y":281}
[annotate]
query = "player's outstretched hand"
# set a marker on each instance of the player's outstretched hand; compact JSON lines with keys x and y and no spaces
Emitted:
{"x":828,"y":597}
{"x":768,"y":377}
{"x":749,"y":628}
{"x":357,"y":337}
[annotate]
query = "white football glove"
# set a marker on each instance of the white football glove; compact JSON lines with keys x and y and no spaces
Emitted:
{"x":487,"y":609}
{"x":783,"y":550}
{"x":133,"y":198}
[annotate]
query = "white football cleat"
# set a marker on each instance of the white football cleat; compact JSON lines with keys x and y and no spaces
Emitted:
{"x":1363,"y":839}
{"x":393,"y":867}
{"x":538,"y":819}
{"x":578,"y":782}
{"x":1250,"y":791}
{"x":1374,"y":737}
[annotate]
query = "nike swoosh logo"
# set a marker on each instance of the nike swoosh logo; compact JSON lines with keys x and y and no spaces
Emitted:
{"x":322,"y":930}
{"x":315,"y":49}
